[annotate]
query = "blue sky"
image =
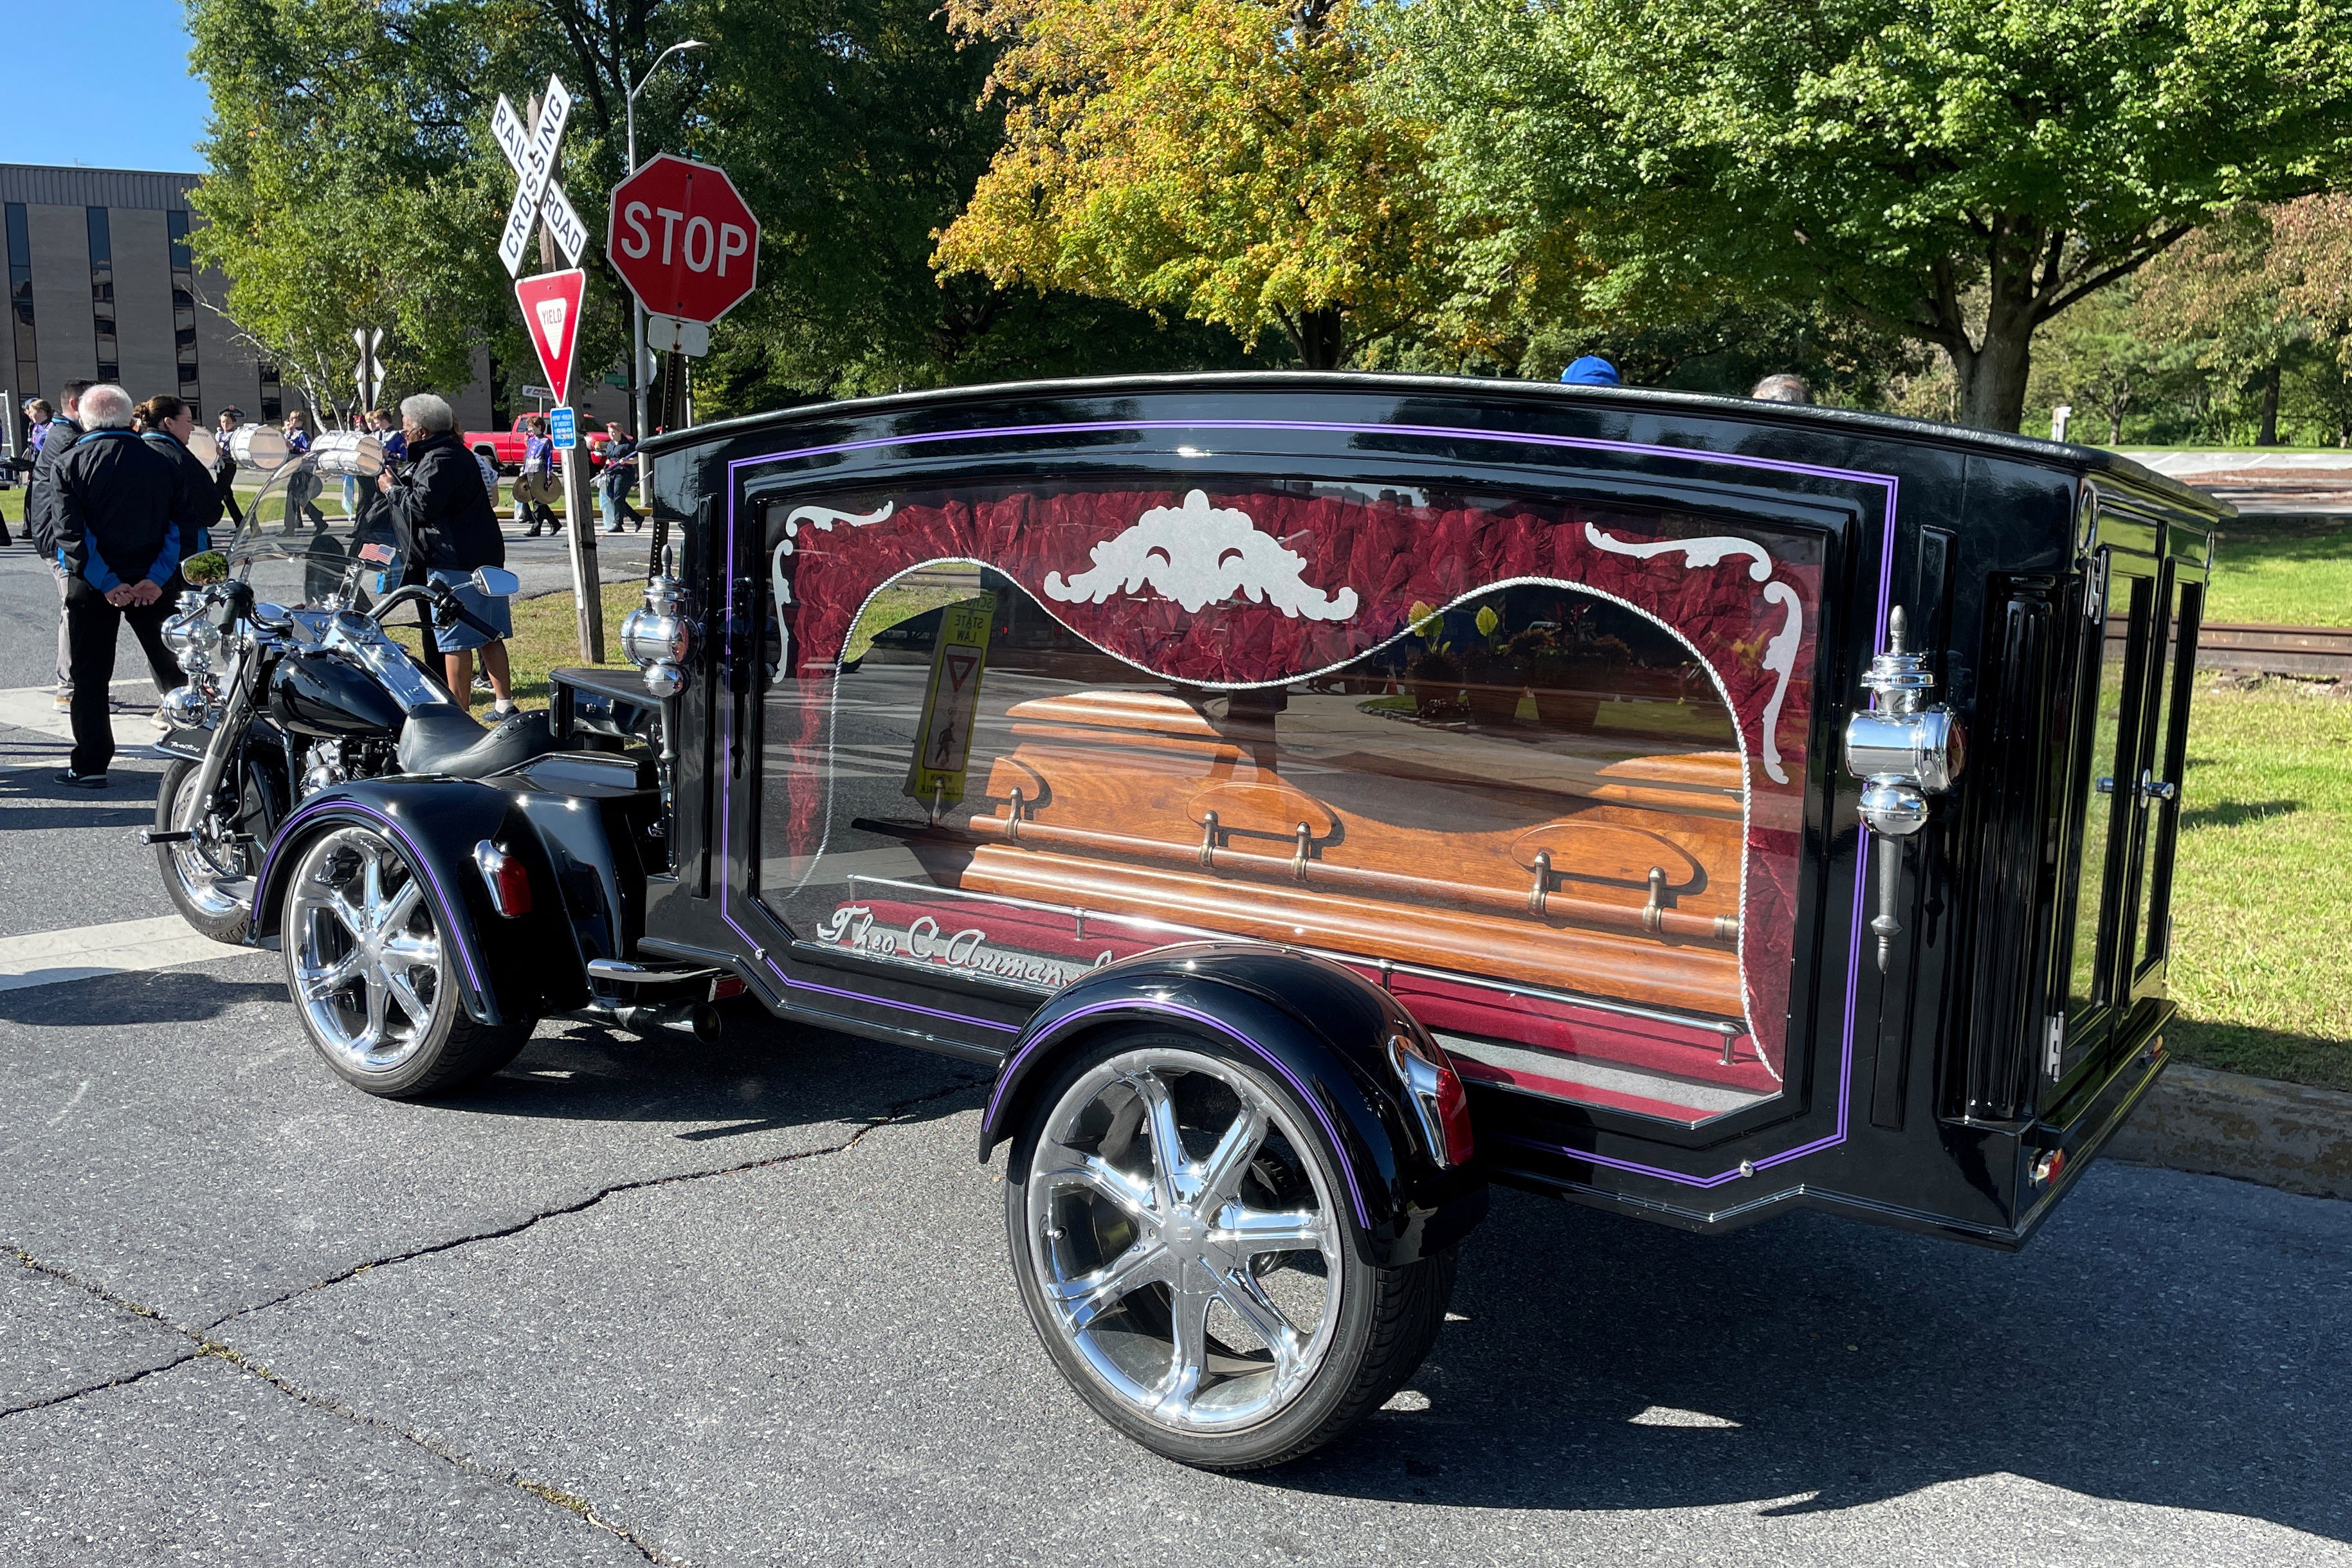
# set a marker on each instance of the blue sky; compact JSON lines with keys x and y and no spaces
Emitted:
{"x":127,"y":60}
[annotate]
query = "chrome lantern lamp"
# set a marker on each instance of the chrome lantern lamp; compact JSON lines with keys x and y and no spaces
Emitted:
{"x":1902,"y":750}
{"x":656,"y":638}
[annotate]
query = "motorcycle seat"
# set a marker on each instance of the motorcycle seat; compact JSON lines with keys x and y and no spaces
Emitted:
{"x":445,"y":741}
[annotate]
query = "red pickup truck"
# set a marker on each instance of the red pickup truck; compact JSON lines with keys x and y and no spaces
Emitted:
{"x":504,"y":447}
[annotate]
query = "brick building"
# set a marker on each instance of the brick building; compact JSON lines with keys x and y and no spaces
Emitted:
{"x":102,"y":287}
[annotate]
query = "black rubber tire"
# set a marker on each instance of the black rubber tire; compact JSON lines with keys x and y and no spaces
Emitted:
{"x":225,"y":926}
{"x":1388,"y":1318}
{"x":459,"y":1050}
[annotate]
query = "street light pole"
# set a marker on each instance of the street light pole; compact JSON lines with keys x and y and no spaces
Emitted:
{"x":637,"y":309}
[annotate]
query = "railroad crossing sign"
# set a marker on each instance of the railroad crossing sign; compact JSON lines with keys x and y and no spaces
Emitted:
{"x":682,"y":239}
{"x":369,"y":375}
{"x":531,"y":149}
{"x":551,"y":314}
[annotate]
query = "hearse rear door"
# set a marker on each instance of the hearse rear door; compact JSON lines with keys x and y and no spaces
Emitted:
{"x":2142,"y":603}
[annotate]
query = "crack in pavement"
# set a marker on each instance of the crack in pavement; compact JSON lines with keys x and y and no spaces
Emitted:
{"x":207,"y":1346}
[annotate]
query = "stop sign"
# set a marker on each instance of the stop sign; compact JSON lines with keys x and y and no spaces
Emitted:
{"x":682,"y":239}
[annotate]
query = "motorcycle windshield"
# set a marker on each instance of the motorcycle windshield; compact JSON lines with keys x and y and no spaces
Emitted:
{"x":304,"y":530}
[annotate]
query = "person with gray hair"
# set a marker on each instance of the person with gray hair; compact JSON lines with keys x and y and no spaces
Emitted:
{"x":113,"y":518}
{"x":428,"y":412}
{"x":447,"y":527}
{"x":1783,"y":388}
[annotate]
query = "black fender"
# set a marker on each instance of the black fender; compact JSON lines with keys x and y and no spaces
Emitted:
{"x":1322,"y":1029}
{"x":508,"y":970}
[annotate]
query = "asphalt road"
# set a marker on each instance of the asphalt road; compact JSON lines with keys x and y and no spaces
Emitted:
{"x":646,"y":1299}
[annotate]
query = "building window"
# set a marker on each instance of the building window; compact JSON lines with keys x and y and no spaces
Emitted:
{"x":20,"y":299}
{"x":273,"y":400}
{"x":102,"y":294}
{"x":183,"y":308}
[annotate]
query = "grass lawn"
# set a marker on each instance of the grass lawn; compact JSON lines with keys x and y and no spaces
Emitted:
{"x":546,"y":636}
{"x":2263,"y":897}
{"x":2283,"y":570}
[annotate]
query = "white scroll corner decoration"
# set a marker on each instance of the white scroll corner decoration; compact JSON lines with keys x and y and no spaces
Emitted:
{"x":1779,"y":653}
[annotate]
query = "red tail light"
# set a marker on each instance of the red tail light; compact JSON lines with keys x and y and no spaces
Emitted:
{"x":509,"y":882}
{"x":1437,"y":1096}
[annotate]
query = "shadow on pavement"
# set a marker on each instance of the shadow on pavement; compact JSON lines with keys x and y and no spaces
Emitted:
{"x":2164,"y":1342}
{"x":761,"y":1075}
{"x":181,"y":996}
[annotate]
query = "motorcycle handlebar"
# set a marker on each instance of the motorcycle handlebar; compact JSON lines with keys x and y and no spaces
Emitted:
{"x":447,"y":608}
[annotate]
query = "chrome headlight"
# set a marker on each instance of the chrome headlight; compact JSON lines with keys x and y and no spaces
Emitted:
{"x":191,"y":633}
{"x":186,"y":708}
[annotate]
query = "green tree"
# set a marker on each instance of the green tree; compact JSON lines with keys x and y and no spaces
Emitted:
{"x":342,"y":167}
{"x":855,"y":130}
{"x":2099,"y":359}
{"x":1217,"y":158}
{"x":1881,"y":157}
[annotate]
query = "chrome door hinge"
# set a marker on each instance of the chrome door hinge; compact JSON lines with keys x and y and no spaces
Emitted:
{"x":2053,"y":1056}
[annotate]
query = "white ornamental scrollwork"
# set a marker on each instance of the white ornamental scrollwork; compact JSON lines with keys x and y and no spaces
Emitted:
{"x":1779,"y":654}
{"x":825,"y":517}
{"x":1198,"y":555}
{"x":820,"y":517}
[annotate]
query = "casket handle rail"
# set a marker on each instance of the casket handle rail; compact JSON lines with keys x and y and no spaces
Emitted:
{"x":1305,"y":865}
{"x":1903,"y":751}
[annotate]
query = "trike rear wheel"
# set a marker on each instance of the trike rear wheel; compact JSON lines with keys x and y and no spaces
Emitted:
{"x":1183,"y":1242}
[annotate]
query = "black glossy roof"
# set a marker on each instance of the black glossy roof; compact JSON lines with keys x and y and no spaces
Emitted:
{"x":1848,"y":423}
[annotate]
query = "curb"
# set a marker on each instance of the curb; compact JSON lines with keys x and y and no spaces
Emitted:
{"x":2282,"y":1135}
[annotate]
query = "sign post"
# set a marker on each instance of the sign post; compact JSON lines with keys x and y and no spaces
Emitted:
{"x":550,"y":305}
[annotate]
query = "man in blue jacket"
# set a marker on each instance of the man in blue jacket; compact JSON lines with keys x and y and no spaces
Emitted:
{"x":111,"y":518}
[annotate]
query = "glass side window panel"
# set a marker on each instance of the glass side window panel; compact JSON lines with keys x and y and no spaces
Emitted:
{"x":2162,"y":760}
{"x":1541,"y":813}
{"x":2109,"y":790}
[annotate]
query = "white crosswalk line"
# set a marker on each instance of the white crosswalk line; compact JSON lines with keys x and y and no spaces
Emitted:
{"x":83,"y":953}
{"x":35,"y":708}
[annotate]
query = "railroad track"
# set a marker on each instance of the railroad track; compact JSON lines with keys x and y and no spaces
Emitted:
{"x":2271,"y":650}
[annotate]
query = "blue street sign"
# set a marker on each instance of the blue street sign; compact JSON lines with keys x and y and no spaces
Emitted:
{"x":563,"y":429}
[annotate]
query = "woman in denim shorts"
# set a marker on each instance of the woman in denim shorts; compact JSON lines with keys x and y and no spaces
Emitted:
{"x":459,"y":641}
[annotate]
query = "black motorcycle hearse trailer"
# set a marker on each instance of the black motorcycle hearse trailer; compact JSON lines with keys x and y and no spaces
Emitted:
{"x":1321,"y":797}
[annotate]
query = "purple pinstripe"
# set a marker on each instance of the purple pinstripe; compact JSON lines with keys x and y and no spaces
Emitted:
{"x":448,"y":906}
{"x":1887,"y":482}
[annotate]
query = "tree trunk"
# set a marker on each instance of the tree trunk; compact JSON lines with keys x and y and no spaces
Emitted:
{"x":2268,"y":434}
{"x":1992,"y":376}
{"x":1321,"y":337}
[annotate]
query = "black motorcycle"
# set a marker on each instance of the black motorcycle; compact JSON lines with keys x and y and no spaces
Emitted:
{"x":294,"y":684}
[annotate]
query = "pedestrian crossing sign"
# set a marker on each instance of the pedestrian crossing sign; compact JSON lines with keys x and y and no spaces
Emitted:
{"x":935,"y":773}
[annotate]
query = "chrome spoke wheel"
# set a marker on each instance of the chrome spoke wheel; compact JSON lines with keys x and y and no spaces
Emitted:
{"x":1183,"y":1241}
{"x":364,"y":954}
{"x":215,"y":873}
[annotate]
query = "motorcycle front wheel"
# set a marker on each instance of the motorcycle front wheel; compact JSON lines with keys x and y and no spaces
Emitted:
{"x":210,"y":875}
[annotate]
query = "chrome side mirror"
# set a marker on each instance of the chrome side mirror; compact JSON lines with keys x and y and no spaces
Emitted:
{"x":497,"y":582}
{"x":1903,"y":751}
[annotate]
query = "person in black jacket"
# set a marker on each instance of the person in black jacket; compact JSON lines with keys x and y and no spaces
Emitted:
{"x":55,"y":442}
{"x":447,"y":528}
{"x":110,"y":513}
{"x":197,"y":503}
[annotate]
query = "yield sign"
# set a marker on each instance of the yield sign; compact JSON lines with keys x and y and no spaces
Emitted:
{"x":960,"y":665}
{"x":551,"y":313}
